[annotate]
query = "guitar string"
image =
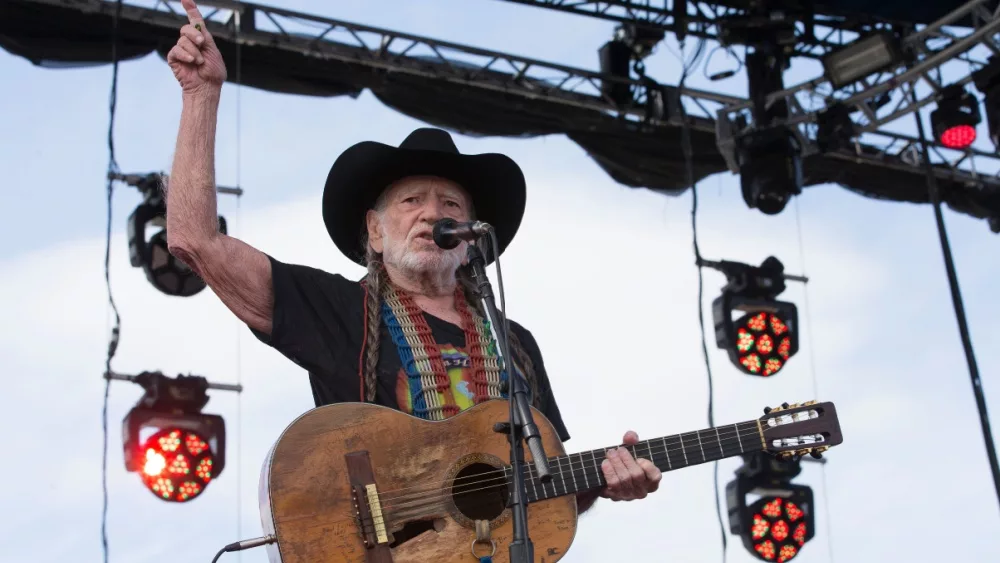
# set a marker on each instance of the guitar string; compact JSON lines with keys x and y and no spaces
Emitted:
{"x":573,"y":465}
{"x":415,"y":510}
{"x":501,"y":474}
{"x":739,"y":433}
{"x":722,"y":433}
{"x":421,"y":510}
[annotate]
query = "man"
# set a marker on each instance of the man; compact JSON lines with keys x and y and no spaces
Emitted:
{"x":411,"y":335}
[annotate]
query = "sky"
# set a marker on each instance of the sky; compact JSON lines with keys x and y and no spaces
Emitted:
{"x":602,"y":275}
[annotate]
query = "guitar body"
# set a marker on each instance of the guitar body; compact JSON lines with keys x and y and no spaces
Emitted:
{"x":315,"y":489}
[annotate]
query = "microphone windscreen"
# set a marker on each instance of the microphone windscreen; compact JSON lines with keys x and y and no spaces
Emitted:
{"x":443,"y":234}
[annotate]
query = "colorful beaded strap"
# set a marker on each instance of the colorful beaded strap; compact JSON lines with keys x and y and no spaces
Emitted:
{"x":421,"y":356}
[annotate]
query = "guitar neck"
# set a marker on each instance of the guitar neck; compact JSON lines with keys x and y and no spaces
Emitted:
{"x":581,"y":472}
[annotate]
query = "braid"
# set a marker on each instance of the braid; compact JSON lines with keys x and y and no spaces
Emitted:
{"x":376,"y":285}
{"x":521,"y":358}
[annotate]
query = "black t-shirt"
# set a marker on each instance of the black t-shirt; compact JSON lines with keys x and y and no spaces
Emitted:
{"x":318,"y":322}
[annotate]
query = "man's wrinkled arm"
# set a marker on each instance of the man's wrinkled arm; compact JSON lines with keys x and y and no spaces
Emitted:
{"x":238,"y":273}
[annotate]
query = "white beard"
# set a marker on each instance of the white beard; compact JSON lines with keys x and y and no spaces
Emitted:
{"x":430,"y":260}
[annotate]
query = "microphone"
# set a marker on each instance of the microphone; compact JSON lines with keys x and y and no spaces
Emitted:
{"x":448,"y":233}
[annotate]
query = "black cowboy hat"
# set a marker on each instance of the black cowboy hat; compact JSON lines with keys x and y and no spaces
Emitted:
{"x":493,"y":181}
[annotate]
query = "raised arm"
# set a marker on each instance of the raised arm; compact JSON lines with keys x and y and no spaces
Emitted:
{"x":238,"y":273}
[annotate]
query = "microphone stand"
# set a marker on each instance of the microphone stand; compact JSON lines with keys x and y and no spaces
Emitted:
{"x":521,"y":425}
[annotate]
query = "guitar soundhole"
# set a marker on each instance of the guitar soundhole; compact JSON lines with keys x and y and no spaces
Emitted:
{"x":480,"y":491}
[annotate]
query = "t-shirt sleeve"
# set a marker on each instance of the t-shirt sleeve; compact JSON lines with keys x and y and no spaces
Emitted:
{"x":547,"y":401}
{"x":311,"y":315}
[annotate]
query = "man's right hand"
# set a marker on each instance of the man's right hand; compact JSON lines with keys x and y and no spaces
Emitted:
{"x":195,"y":59}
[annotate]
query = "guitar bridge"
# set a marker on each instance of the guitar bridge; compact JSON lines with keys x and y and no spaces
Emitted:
{"x":368,"y":507}
{"x":375,"y":509}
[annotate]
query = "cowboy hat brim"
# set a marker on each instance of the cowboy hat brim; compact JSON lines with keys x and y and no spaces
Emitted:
{"x":494,"y":182}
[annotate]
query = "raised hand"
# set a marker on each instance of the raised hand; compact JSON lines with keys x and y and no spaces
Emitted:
{"x":195,"y":59}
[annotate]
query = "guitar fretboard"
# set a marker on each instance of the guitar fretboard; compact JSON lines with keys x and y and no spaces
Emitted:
{"x":582,"y":471}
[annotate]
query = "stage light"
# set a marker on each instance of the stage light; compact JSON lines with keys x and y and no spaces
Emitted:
{"x":163,"y":270}
{"x":770,"y":156}
{"x":781,"y":520}
{"x":177,"y":450}
{"x":770,"y":162}
{"x":956,"y":117}
{"x":987,"y":81}
{"x":762,"y":340}
{"x":877,"y":52}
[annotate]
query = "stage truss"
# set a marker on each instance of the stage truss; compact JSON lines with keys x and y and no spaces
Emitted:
{"x":879,"y":104}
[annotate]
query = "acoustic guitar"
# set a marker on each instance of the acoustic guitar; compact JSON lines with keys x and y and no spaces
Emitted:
{"x":361,"y":483}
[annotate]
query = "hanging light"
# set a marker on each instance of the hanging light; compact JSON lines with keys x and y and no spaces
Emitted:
{"x":877,"y":52}
{"x":770,"y":162}
{"x":987,"y":81}
{"x":163,"y":270}
{"x":176,"y":449}
{"x":956,"y":117}
{"x":781,"y":520}
{"x":765,"y":337}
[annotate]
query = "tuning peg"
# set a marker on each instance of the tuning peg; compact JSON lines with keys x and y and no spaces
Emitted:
{"x":767,"y":410}
{"x":816,"y":455}
{"x":785,"y":405}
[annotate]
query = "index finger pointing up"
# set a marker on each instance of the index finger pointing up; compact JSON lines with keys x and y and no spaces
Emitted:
{"x":194,"y":16}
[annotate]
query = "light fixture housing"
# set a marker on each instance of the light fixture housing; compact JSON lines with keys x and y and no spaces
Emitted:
{"x":781,"y":519}
{"x":176,"y":449}
{"x":163,"y":270}
{"x":877,"y":52}
{"x":987,"y":81}
{"x":770,"y":163}
{"x":955,"y":120}
{"x":762,"y":340}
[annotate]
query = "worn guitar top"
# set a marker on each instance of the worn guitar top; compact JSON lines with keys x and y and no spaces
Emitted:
{"x":318,"y":323}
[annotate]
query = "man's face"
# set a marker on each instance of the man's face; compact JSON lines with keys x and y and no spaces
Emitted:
{"x":401,"y":231}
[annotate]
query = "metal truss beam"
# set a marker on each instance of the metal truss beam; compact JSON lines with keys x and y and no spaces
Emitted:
{"x":880,"y":103}
{"x":325,"y":38}
{"x":815,"y":34}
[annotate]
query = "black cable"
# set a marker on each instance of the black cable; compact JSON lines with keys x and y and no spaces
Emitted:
{"x":503,"y":301}
{"x":219,"y":554}
{"x":116,"y":331}
{"x":689,"y":170}
{"x":956,"y":299}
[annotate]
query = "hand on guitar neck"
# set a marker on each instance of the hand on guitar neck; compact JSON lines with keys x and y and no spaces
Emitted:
{"x":628,"y":478}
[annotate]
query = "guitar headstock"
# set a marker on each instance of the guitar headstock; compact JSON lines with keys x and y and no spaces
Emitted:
{"x":795,"y":430}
